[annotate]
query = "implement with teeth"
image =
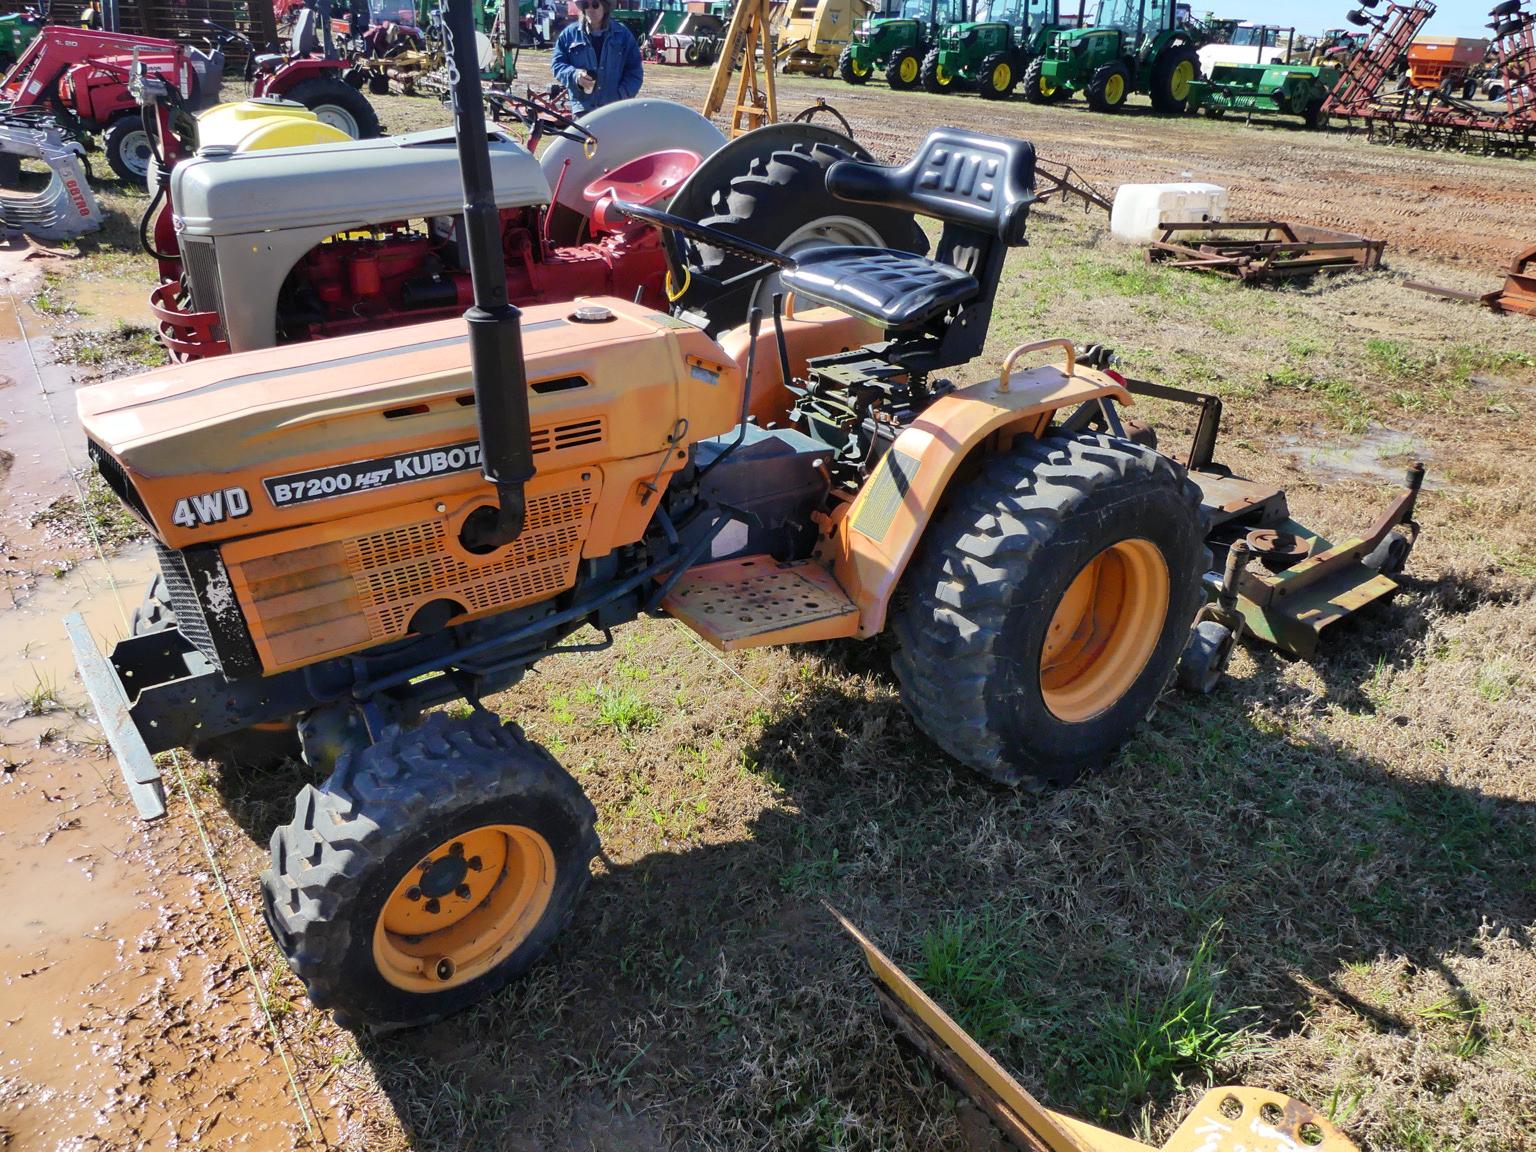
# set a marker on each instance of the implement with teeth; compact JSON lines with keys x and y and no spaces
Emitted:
{"x":64,"y":208}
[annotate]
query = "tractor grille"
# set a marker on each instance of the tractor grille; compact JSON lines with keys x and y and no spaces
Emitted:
{"x":201,"y":266}
{"x":190,"y":620}
{"x":116,"y":479}
{"x":211,"y":619}
{"x":363,"y":590}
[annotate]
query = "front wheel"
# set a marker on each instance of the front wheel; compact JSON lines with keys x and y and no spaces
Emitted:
{"x":128,"y":151}
{"x":998,"y":77}
{"x":934,"y":76}
{"x":1109,"y":87}
{"x":337,"y":103}
{"x":1048,"y":607}
{"x":851,"y":68}
{"x":904,"y":70}
{"x":429,"y":870}
{"x":1039,"y":88}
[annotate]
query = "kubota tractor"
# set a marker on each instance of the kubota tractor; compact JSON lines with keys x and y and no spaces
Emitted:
{"x":1134,"y":46}
{"x":356,"y":530}
{"x":896,"y":43}
{"x":295,"y":244}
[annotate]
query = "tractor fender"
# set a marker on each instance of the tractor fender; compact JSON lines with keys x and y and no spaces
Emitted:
{"x":875,"y":536}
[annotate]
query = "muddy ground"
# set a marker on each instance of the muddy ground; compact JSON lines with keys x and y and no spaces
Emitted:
{"x":1317,"y":881}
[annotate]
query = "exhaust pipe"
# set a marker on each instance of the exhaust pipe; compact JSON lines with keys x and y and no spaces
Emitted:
{"x":495,"y":327}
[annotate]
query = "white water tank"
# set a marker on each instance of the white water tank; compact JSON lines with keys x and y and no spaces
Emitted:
{"x":1140,"y":208}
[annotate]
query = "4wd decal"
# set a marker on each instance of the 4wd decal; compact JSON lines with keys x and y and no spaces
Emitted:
{"x":363,"y":475}
{"x":211,"y":508}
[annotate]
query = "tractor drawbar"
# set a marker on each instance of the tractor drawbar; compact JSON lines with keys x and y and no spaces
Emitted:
{"x":495,"y":326}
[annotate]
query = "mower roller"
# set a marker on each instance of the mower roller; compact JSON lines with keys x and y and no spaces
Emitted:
{"x":1135,"y":46}
{"x":354,"y":531}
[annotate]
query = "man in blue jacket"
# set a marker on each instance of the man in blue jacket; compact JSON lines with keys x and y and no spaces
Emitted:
{"x":596,"y":59}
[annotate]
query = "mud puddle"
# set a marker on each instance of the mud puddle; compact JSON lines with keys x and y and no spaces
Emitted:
{"x":1379,"y":454}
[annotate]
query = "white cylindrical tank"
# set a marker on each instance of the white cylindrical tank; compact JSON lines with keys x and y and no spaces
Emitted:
{"x":1140,"y":208}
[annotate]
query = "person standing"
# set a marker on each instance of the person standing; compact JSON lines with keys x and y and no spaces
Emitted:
{"x":597,"y":60}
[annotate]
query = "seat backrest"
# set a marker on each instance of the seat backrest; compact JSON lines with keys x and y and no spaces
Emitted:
{"x":980,"y":182}
{"x":305,"y":38}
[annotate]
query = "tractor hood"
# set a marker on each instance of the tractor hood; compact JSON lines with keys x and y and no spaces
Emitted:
{"x":338,"y":186}
{"x":257,"y":441}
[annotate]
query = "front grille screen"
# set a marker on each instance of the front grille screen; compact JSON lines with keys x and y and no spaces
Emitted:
{"x":190,"y":619}
{"x":201,"y":266}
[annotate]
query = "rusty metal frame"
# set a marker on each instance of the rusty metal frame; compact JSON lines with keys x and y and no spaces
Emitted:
{"x":1517,"y":294}
{"x":1233,"y":1119}
{"x":1263,"y":249}
{"x":1068,"y":183}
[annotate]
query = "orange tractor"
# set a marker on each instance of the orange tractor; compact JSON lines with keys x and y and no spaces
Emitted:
{"x":354,"y":531}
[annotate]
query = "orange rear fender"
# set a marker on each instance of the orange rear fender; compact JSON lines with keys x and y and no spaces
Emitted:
{"x":875,"y":536}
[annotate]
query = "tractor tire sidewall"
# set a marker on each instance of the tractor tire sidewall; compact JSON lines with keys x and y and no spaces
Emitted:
{"x":317,"y":95}
{"x":1097,"y":99}
{"x":397,"y":818}
{"x":1163,"y":99}
{"x":967,"y":608}
{"x":118,"y":142}
{"x":1032,"y":78}
{"x":845,"y":68}
{"x":893,"y":69}
{"x":988,"y":89}
{"x":768,"y":205}
{"x":928,"y":76}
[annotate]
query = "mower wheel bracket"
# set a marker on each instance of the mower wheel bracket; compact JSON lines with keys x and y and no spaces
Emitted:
{"x":114,"y":713}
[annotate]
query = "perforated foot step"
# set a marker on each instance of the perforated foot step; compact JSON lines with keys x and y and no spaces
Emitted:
{"x":755,"y":600}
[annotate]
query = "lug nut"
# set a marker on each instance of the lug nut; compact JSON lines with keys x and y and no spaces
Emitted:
{"x":474,"y":864}
{"x":456,"y":848}
{"x":462,"y":891}
{"x":426,"y":862}
{"x":433,"y":906}
{"x":413,"y":893}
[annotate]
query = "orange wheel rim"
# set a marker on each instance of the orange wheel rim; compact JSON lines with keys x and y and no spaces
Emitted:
{"x":1104,"y":630}
{"x":463,"y":908}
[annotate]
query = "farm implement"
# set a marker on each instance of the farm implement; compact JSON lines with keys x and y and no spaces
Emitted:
{"x":814,"y":34}
{"x":1234,"y":1119}
{"x":1437,"y":116}
{"x":1516,"y":295}
{"x":1255,"y":250}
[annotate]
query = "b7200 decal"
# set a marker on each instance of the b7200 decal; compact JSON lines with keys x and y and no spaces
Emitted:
{"x":366,"y":475}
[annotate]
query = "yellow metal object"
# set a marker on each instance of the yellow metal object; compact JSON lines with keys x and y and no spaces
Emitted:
{"x":746,"y":37}
{"x":463,"y":908}
{"x":910,"y":68}
{"x":1002,"y":76}
{"x":252,"y":125}
{"x":813,"y":33}
{"x":1183,"y":74}
{"x":1114,"y":90}
{"x":1104,"y":630}
{"x":1225,"y":1119}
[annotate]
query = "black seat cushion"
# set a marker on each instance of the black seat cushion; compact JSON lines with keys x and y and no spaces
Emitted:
{"x":895,"y":290}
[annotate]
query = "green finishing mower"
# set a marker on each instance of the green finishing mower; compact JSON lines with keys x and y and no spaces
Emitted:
{"x":991,"y":52}
{"x":896,"y":43}
{"x":1265,"y":90}
{"x":1137,"y":46}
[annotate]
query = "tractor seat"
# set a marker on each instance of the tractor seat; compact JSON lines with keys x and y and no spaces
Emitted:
{"x":268,"y":61}
{"x":895,"y":290}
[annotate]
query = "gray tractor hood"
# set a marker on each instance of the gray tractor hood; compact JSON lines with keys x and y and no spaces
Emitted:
{"x":342,"y":186}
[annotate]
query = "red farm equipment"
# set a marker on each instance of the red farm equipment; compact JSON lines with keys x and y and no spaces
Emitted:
{"x":80,"y":79}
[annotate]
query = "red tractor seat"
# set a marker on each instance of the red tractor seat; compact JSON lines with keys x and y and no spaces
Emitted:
{"x":644,"y":180}
{"x":895,"y":290}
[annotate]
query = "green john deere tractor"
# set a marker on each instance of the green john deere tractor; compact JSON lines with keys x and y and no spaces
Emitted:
{"x":896,"y":43}
{"x":991,"y":52}
{"x":1136,"y":46}
{"x":17,"y":30}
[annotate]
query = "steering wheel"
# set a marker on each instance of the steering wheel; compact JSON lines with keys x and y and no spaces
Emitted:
{"x":704,"y":234}
{"x":544,"y":120}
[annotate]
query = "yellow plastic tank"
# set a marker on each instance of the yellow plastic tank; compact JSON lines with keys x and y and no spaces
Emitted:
{"x":252,"y":125}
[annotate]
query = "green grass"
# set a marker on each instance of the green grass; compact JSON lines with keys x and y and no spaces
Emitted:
{"x":625,"y":711}
{"x":42,"y":698}
{"x":101,"y":517}
{"x":966,"y":966}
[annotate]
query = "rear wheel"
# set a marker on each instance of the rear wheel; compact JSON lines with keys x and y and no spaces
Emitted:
{"x":128,"y":152}
{"x":783,"y":203}
{"x":851,"y":68}
{"x":1109,"y":87}
{"x":1175,"y":70}
{"x":1038,"y":88}
{"x":904,"y":70}
{"x":261,"y":746}
{"x":429,"y":870}
{"x":998,"y":77}
{"x":1049,"y":605}
{"x":934,"y":76}
{"x":337,"y":103}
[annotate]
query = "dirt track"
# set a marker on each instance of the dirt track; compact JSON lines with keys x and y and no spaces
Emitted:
{"x":1443,"y":206}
